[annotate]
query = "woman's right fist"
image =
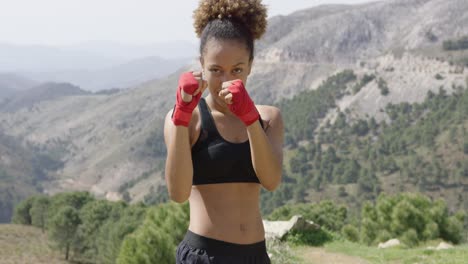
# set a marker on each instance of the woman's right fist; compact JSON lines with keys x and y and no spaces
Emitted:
{"x":189,"y":91}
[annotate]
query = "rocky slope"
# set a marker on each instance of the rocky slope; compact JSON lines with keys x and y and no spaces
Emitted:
{"x":106,"y":141}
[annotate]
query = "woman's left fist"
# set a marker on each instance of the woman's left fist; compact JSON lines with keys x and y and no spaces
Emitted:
{"x":239,"y":102}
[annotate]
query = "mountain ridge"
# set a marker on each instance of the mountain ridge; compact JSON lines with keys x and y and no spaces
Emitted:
{"x":106,"y":141}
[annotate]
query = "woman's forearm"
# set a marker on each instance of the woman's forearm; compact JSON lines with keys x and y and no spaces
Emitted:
{"x":266,"y":161}
{"x":179,"y":170}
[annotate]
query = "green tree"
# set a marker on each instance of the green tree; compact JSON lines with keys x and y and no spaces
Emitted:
{"x":62,"y":228}
{"x":92,"y":215}
{"x":155,"y":241}
{"x":73,"y":199}
{"x":369,"y":224}
{"x":39,"y":211}
{"x":21,"y":214}
{"x":123,"y":220}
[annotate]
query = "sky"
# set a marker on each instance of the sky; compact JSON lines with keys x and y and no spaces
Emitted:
{"x":138,"y":22}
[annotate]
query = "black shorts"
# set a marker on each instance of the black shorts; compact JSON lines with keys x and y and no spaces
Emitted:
{"x":196,"y":249}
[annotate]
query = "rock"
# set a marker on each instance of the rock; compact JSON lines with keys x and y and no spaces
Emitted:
{"x":443,"y":245}
{"x":390,"y":243}
{"x":278,"y":229}
{"x":113,"y":196}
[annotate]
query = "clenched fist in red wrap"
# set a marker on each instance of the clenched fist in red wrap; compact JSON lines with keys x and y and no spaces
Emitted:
{"x":189,"y":91}
{"x":239,"y":102}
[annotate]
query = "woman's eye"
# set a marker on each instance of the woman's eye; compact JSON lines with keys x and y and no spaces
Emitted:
{"x":215,"y":70}
{"x":237,"y":71}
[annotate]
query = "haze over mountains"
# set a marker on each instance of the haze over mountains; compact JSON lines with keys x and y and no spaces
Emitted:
{"x":112,"y":144}
{"x":96,"y":65}
{"x":12,"y":83}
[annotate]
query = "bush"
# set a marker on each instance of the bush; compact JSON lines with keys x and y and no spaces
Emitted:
{"x":412,"y":218}
{"x":382,"y":84}
{"x":452,"y":230}
{"x":350,"y":233}
{"x":325,"y":213}
{"x":314,"y":237}
{"x":431,"y":231}
{"x":439,"y":77}
{"x":384,"y":236}
{"x":458,"y":44}
{"x":410,"y":238}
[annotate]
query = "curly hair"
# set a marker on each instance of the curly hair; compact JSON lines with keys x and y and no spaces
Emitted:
{"x":251,"y":12}
{"x":243,"y":20}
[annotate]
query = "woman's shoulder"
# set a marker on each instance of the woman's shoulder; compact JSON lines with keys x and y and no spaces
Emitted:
{"x":271,"y":116}
{"x":269,"y":111}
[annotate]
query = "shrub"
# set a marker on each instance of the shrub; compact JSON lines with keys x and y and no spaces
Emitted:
{"x":439,"y":77}
{"x":410,"y":238}
{"x":350,"y":233}
{"x":313,"y":237}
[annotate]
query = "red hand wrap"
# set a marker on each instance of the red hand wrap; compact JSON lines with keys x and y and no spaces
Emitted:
{"x":183,"y":110}
{"x":242,"y":106}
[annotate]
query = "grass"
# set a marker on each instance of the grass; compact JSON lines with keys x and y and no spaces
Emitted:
{"x":281,"y":253}
{"x":456,"y":255}
{"x":26,"y":244}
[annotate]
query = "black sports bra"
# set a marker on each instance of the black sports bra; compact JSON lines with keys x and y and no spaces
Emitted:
{"x":216,"y":160}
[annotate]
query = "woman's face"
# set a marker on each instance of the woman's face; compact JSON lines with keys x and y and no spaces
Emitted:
{"x":224,"y":60}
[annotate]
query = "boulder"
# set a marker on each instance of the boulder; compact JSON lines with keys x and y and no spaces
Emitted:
{"x":279,"y":229}
{"x":390,"y":243}
{"x":443,"y":245}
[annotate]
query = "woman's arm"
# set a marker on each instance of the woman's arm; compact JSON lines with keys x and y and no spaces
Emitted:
{"x":267,"y":148}
{"x":177,"y":127}
{"x":179,"y":169}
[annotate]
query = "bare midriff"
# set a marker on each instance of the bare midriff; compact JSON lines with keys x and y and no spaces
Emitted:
{"x":227,"y":211}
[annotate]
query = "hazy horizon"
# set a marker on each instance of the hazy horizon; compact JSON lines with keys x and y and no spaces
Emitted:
{"x":71,"y":23}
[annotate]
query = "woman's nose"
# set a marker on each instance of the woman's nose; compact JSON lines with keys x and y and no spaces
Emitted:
{"x":227,"y":77}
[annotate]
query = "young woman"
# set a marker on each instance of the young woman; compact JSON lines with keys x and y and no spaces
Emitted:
{"x":223,"y":148}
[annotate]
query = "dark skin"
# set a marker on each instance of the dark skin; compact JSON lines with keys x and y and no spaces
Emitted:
{"x":225,"y":211}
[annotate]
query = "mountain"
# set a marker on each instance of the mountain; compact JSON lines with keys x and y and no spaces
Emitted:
{"x":167,"y":50}
{"x":338,"y":60}
{"x":23,"y":168}
{"x":120,"y":76}
{"x":91,"y":55}
{"x":312,"y":43}
{"x":105,"y":140}
{"x":95,"y":66}
{"x":37,"y":58}
{"x":11,"y":83}
{"x":44,"y":92}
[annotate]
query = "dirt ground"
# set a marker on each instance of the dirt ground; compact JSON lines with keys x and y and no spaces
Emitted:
{"x":319,"y":255}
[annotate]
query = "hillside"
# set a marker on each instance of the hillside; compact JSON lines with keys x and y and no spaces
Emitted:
{"x":122,"y":75}
{"x":104,"y":141}
{"x":112,"y":144}
{"x":417,"y":147}
{"x":12,"y":83}
{"x":45,"y":92}
{"x":310,"y":44}
{"x":26,"y":244}
{"x":23,"y":168}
